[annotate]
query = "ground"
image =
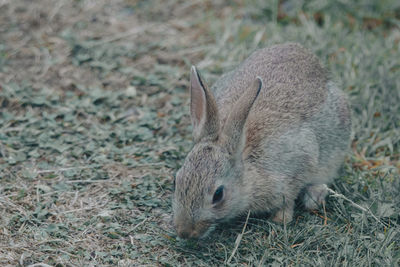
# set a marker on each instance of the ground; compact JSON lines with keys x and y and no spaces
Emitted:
{"x":94,"y":123}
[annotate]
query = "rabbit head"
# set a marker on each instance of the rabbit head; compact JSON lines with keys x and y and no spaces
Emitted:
{"x":208,"y":185}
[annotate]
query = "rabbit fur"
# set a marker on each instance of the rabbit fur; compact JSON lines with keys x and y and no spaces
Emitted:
{"x":274,"y":127}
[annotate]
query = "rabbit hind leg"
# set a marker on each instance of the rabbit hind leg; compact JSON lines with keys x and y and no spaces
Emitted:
{"x":285,"y":214}
{"x":314,"y":196}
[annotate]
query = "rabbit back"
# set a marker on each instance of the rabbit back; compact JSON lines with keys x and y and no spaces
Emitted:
{"x":295,"y":88}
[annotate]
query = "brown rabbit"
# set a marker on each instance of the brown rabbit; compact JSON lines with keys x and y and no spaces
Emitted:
{"x":266,"y":131}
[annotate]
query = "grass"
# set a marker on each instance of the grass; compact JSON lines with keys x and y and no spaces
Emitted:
{"x":94,"y":123}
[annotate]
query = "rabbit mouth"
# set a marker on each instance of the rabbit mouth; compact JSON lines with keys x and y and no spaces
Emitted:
{"x":198,"y":230}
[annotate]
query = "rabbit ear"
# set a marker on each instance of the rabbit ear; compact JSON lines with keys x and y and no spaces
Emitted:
{"x":233,"y":135}
{"x":203,"y":109}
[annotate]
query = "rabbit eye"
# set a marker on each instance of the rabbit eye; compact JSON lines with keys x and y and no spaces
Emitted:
{"x":219,"y":193}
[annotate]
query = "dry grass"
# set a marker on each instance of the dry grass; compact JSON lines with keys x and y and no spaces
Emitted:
{"x":94,"y":123}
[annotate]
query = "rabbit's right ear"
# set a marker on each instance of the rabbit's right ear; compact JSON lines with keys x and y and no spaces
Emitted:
{"x":203,"y":109}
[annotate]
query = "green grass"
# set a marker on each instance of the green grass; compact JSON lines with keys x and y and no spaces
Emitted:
{"x":94,"y":122}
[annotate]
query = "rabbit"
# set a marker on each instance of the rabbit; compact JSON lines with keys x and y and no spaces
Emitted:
{"x":272,"y":128}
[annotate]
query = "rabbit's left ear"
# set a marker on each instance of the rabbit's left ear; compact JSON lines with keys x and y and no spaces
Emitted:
{"x":203,"y":109}
{"x":233,"y":136}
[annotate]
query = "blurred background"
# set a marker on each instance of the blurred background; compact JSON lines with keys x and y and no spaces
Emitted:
{"x":94,"y":122}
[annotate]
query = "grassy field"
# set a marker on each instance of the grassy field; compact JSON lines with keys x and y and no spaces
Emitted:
{"x":94,"y":122}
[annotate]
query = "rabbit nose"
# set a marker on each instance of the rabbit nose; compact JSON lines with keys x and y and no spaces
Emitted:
{"x":187,"y":232}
